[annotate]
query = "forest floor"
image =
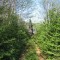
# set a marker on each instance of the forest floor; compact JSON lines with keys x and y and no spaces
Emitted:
{"x":37,"y":51}
{"x":39,"y":54}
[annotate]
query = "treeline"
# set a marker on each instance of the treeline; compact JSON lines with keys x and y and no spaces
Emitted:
{"x":13,"y":34}
{"x":48,"y":35}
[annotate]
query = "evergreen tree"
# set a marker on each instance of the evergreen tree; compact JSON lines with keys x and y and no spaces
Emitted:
{"x":13,"y":37}
{"x":51,"y":39}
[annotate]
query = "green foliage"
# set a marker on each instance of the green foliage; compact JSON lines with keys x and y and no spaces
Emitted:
{"x":48,"y":36}
{"x":30,"y":53}
{"x":13,"y":37}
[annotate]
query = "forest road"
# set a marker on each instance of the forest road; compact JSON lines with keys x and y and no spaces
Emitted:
{"x":39,"y":54}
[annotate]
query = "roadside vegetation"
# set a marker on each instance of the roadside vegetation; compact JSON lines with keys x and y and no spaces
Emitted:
{"x":16,"y":43}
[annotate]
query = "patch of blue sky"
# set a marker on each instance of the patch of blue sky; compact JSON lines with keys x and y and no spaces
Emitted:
{"x":35,"y":12}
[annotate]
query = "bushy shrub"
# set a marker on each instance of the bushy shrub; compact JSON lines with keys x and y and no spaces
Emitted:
{"x":13,"y":37}
{"x":48,"y":36}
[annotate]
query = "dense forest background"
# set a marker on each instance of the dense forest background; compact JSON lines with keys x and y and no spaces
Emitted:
{"x":17,"y":43}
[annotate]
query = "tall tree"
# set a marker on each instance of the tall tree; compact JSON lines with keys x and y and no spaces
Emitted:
{"x":30,"y":27}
